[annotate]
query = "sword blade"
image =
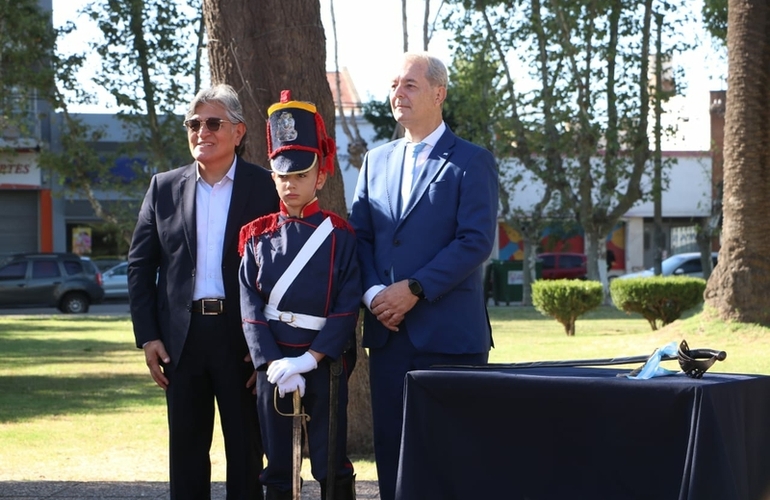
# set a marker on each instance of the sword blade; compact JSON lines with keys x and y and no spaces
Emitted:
{"x":296,"y":437}
{"x":627,"y":360}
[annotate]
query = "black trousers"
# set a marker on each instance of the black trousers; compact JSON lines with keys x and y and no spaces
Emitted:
{"x":210,"y":371}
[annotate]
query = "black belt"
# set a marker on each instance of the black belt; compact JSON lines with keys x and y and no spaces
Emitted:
{"x":208,"y":307}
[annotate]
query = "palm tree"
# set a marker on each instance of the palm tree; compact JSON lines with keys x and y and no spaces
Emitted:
{"x":737,"y":289}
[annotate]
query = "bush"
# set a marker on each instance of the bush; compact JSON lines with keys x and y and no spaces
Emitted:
{"x":566,"y":300}
{"x":657,"y":298}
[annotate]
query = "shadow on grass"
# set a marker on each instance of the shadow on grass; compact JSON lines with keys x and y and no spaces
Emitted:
{"x":25,"y":397}
{"x":18,"y":353}
{"x":73,"y":324}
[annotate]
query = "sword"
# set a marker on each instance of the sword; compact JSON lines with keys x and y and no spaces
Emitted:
{"x":296,"y":447}
{"x":694,"y":362}
{"x":627,"y":360}
{"x":296,"y":439}
{"x":335,"y":369}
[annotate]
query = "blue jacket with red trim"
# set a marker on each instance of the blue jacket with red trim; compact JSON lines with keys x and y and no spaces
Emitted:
{"x":329,"y":285}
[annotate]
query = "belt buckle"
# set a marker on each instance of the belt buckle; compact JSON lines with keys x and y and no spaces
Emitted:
{"x":211,"y":301}
{"x":289,"y":318}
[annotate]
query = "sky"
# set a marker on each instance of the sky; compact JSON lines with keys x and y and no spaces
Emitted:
{"x":369,"y":50}
{"x":369,"y":45}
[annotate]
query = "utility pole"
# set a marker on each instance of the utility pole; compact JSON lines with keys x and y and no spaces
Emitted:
{"x":658,"y":237}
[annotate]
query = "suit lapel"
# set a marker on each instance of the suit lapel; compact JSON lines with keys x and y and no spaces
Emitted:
{"x":187,"y":195}
{"x":438,"y":158}
{"x":393,"y":174}
{"x":238,"y":202}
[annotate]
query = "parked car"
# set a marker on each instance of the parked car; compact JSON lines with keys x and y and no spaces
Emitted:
{"x":115,"y":282}
{"x":66,"y":281}
{"x":681,"y":264}
{"x":565,"y":265}
{"x":106,"y":263}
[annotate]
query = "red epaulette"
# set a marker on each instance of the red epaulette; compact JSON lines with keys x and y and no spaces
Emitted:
{"x":265,"y":224}
{"x":337,"y":221}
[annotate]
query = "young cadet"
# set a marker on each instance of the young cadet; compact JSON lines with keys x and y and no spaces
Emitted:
{"x":300,"y":296}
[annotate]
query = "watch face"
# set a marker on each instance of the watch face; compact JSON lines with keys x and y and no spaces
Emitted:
{"x":415,"y":288}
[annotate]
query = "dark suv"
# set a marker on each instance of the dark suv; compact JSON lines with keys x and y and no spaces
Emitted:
{"x":66,"y":281}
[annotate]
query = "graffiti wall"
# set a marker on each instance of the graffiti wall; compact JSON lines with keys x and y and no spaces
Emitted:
{"x":562,"y":237}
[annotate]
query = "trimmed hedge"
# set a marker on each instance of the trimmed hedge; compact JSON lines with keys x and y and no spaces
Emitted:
{"x":658,"y":298}
{"x":566,"y":300}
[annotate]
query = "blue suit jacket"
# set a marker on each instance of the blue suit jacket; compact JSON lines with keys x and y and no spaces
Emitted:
{"x":443,"y":237}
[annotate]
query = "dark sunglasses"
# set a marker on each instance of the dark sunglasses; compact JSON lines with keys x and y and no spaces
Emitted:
{"x":212,"y":124}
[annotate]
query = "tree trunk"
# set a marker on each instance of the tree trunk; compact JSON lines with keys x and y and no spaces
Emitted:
{"x":738,"y":285}
{"x":261,"y":48}
{"x":529,"y":270}
{"x":595,"y":242}
{"x":703,"y":239}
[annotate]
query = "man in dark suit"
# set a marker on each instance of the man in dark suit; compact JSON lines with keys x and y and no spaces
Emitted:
{"x":425,"y":215}
{"x":184,"y":292}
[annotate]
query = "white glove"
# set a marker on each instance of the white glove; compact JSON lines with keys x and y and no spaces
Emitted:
{"x":294,"y":383}
{"x":281,"y":369}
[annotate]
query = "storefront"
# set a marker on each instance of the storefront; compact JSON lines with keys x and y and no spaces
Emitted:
{"x":25,"y":205}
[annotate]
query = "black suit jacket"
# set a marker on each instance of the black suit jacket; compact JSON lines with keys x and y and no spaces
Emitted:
{"x":163,"y":248}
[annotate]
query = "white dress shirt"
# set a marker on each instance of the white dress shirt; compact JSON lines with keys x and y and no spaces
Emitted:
{"x":211,"y":206}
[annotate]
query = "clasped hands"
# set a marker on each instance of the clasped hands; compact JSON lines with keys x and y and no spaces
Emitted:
{"x":287,"y":372}
{"x":392,"y":303}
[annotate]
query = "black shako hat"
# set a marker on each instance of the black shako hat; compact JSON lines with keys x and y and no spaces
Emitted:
{"x":296,"y":137}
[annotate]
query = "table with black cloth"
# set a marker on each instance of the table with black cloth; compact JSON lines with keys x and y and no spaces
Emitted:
{"x":583,"y":433}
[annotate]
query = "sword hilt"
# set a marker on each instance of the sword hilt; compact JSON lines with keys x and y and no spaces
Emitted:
{"x":296,"y":403}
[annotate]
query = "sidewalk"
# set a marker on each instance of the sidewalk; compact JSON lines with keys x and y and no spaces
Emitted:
{"x":365,"y":490}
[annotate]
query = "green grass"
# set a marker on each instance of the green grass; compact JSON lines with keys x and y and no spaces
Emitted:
{"x":77,"y":401}
{"x":523,"y":334}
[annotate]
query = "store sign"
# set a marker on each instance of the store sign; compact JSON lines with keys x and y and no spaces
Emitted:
{"x":18,"y":170}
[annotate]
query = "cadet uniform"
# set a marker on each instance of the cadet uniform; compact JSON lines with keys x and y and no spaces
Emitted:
{"x":313,"y":306}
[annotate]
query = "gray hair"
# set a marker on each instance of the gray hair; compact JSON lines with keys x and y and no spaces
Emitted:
{"x":225,"y":96}
{"x":221,"y":94}
{"x":436,"y":70}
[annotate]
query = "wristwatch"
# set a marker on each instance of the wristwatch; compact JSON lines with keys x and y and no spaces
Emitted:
{"x":416,"y":288}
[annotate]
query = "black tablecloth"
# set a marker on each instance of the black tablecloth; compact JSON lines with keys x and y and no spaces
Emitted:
{"x":583,"y":433}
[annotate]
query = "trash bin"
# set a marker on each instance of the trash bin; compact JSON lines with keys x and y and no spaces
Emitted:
{"x":505,"y":278}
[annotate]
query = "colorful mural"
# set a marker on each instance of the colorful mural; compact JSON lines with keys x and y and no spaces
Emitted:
{"x":561,"y":238}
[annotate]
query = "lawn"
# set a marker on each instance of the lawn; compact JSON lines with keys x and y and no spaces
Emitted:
{"x":77,"y":402}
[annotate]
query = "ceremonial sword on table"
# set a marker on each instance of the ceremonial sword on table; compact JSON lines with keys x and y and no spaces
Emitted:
{"x":694,"y":362}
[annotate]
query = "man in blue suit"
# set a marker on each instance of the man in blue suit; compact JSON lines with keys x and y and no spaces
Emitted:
{"x":425,"y":214}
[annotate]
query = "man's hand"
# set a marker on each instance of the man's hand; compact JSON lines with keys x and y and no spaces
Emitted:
{"x":294,"y":383}
{"x":280,"y":370}
{"x":252,"y":382}
{"x":154,"y":352}
{"x":391,"y":304}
